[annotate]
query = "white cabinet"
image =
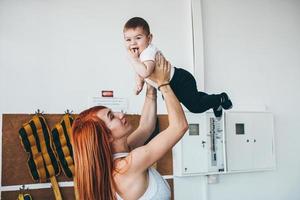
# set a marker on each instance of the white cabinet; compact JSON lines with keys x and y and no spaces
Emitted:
{"x":250,"y":141}
{"x":201,"y":150}
{"x":239,"y":142}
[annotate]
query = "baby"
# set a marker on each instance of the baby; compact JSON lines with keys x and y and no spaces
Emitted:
{"x":142,"y":52}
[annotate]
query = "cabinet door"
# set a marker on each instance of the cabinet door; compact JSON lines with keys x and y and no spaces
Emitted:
{"x":250,"y":142}
{"x":262,"y":140}
{"x":194,"y":147}
{"x":194,"y":158}
{"x":239,"y":147}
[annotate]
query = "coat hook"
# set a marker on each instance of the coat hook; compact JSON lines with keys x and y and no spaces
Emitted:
{"x":39,"y":112}
{"x":22,"y":188}
{"x":68,"y":111}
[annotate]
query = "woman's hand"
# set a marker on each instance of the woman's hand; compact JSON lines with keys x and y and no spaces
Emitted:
{"x":161,"y":73}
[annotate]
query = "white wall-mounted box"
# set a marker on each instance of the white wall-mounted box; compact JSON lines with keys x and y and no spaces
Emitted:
{"x":202,"y":149}
{"x":239,"y":142}
{"x":250,"y":141}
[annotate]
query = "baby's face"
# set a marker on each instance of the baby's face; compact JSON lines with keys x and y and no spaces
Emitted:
{"x":137,"y":39}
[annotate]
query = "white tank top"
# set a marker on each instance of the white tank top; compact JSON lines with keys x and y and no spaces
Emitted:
{"x":158,"y":188}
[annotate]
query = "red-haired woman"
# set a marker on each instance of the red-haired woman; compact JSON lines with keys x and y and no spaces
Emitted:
{"x":111,"y":160}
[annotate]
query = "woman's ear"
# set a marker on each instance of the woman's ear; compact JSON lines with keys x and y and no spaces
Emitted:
{"x":110,"y":138}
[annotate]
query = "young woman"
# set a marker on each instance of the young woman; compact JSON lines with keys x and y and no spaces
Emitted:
{"x":111,"y":161}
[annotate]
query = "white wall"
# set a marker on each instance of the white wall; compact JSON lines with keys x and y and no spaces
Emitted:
{"x":252,"y":50}
{"x":57,"y":55}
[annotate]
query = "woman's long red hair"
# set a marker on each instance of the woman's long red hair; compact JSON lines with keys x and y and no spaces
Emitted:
{"x":92,"y":157}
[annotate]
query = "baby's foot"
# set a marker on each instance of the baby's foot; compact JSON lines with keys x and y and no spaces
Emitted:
{"x":218,"y":111}
{"x":225,"y":101}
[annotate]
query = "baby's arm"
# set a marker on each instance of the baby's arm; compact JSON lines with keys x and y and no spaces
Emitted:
{"x":139,"y":84}
{"x":144,"y":69}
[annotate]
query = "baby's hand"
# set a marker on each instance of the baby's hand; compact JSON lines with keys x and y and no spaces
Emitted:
{"x":133,"y":52}
{"x":139,"y":82}
{"x":138,"y":89}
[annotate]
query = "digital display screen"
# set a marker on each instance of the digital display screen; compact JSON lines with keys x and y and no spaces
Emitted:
{"x":240,"y":129}
{"x":193,"y":129}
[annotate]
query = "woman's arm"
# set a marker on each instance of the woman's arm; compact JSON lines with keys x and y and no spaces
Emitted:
{"x":143,"y":157}
{"x":147,"y":120}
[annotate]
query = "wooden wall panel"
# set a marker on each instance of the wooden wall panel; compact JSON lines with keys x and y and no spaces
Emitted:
{"x":39,"y":194}
{"x":14,"y":159}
